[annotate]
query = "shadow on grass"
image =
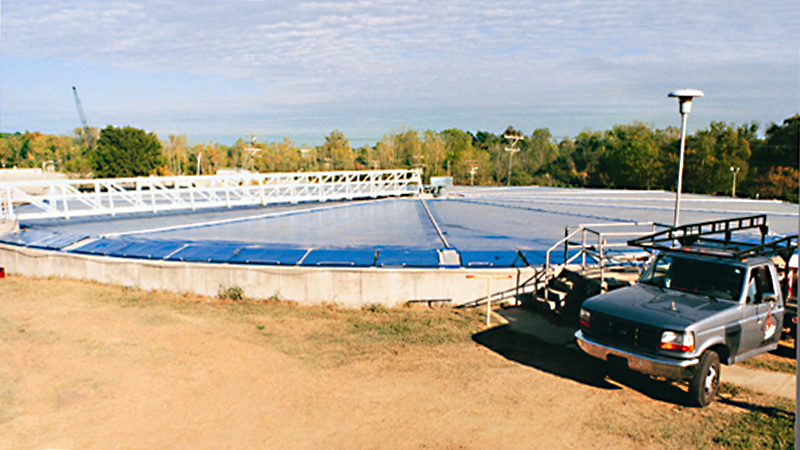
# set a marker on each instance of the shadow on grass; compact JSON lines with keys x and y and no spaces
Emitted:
{"x":769,"y":411}
{"x":573,"y":364}
{"x":784,"y":351}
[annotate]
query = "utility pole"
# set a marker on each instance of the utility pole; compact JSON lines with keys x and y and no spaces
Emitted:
{"x":473,"y":169}
{"x":735,"y":170}
{"x":511,"y":150}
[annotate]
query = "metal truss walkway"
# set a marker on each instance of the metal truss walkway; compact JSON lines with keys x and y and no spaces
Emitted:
{"x":74,"y":198}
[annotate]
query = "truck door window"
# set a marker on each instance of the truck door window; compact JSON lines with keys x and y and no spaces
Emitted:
{"x":760,"y":283}
{"x":658,"y":273}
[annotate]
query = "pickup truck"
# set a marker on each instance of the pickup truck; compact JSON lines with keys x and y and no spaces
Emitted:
{"x":701,"y":302}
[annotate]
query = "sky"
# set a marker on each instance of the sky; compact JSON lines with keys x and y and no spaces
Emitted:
{"x":223,"y":70}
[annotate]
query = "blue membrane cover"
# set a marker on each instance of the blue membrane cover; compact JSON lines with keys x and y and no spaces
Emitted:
{"x":149,"y":249}
{"x":102,"y":246}
{"x":41,"y":239}
{"x":407,"y":258}
{"x":491,"y":258}
{"x":538,"y":257}
{"x":210,"y":252}
{"x":342,"y":257}
{"x":270,"y":256}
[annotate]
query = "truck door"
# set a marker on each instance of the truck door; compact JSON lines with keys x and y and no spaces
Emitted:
{"x":762,"y":318}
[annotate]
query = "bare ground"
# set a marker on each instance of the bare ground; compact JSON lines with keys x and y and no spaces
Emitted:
{"x":90,"y":366}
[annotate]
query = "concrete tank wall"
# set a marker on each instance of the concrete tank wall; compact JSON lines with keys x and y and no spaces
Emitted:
{"x":351,"y":287}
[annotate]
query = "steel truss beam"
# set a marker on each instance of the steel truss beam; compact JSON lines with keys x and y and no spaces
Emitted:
{"x":76,"y":198}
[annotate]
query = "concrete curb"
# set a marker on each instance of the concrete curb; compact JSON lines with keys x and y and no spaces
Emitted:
{"x":772,"y":383}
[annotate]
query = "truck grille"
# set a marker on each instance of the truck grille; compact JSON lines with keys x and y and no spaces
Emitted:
{"x":624,"y":332}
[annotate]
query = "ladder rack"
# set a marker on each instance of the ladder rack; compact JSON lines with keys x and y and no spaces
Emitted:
{"x":698,"y":238}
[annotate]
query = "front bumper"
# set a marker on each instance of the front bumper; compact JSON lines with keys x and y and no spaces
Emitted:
{"x":670,"y":368}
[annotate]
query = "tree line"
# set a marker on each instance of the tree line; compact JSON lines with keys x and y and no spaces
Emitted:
{"x":629,"y":156}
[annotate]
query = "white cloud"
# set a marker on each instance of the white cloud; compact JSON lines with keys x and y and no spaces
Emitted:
{"x":462,"y":54}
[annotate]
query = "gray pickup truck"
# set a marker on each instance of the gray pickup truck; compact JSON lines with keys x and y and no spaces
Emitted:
{"x":701,"y":302}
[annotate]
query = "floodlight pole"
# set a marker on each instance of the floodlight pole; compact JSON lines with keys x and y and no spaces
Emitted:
{"x":685,"y":105}
{"x":797,"y":326}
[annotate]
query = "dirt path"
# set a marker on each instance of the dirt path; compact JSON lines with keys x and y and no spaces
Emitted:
{"x":82,"y":367}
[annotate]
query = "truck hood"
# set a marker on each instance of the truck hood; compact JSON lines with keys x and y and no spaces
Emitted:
{"x":653,"y":306}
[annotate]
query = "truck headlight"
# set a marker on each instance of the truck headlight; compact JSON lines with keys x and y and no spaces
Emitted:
{"x":677,"y":341}
{"x":585,"y":318}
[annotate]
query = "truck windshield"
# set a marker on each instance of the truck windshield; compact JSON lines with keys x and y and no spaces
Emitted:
{"x":710,"y":278}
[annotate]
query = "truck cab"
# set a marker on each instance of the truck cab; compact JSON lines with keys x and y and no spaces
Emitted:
{"x":701,"y":302}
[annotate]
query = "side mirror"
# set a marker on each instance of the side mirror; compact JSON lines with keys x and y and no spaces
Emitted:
{"x":769,"y":297}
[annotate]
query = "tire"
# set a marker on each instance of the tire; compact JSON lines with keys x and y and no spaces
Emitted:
{"x":704,"y":384}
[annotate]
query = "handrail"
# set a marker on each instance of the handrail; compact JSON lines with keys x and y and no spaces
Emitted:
{"x":596,"y":251}
{"x":92,"y":197}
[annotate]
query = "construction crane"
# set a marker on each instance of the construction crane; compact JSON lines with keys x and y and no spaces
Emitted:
{"x":88,"y":135}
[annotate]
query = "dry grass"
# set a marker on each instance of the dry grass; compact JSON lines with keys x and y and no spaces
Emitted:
{"x":94,"y":366}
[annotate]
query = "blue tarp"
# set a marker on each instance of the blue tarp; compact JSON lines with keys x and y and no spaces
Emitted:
{"x":103,"y":246}
{"x":149,"y":249}
{"x":491,"y":258}
{"x":270,"y":256}
{"x":207,"y":252}
{"x":407,"y":258}
{"x":41,"y":239}
{"x":343,"y":257}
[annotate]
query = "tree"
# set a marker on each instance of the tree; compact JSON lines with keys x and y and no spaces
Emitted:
{"x":711,"y":153}
{"x":434,"y":154}
{"x":16,"y":150}
{"x":631,"y":157}
{"x":337,"y":152}
{"x":538,"y":151}
{"x":774,"y":162}
{"x":781,"y":144}
{"x":461,"y":156}
{"x":127,"y":152}
{"x":175,"y":149}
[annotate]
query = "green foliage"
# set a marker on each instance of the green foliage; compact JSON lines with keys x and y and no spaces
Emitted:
{"x":774,"y":162}
{"x":230,"y":292}
{"x":634,"y":156}
{"x":374,"y":308}
{"x":711,"y":153}
{"x":337,"y":153}
{"x":126,"y":152}
{"x":631,"y":157}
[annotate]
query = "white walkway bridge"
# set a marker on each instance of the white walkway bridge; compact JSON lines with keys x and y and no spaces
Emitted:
{"x":73,"y":198}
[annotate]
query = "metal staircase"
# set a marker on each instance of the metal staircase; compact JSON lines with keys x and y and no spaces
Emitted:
{"x":590,"y":252}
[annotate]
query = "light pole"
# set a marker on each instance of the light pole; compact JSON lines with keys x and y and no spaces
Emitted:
{"x":199,"y":157}
{"x":685,"y":97}
{"x":735,"y":170}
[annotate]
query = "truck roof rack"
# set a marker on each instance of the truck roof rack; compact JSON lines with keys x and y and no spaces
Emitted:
{"x":703,"y":238}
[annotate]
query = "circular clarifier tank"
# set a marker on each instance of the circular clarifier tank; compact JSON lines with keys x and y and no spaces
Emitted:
{"x":485,"y":227}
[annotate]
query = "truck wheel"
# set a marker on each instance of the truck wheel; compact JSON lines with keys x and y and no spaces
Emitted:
{"x":704,"y":384}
